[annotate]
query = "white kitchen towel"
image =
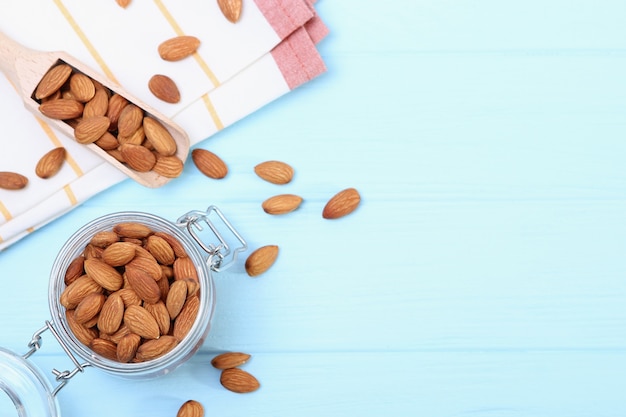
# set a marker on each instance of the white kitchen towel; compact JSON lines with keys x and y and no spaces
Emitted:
{"x":292,"y":60}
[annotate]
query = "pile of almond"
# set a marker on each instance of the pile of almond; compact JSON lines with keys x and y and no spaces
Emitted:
{"x":132,"y":295}
{"x":103,"y":117}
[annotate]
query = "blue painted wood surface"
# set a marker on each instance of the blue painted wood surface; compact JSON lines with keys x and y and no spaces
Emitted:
{"x":482,"y":275}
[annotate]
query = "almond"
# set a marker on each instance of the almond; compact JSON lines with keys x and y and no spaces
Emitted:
{"x":190,"y":408}
{"x":143,"y":284}
{"x":209,"y":163}
{"x":89,"y":307}
{"x":160,"y":314}
{"x":103,"y":347}
{"x":50,"y":163}
{"x":238,"y":380}
{"x":123,"y":3}
{"x":74,"y":270}
{"x":341,"y":204}
{"x":119,"y":253}
{"x":135,"y":138}
{"x":137,"y":157}
{"x":132,"y":230}
{"x":129,"y":296}
{"x":168,"y":166}
{"x":261,"y":260}
{"x":146,"y":261}
{"x":83,"y":334}
{"x":179,"y":249}
{"x":231,"y":9}
{"x":104,"y":274}
{"x":176,"y":298}
{"x":114,"y":109}
{"x":179,"y":47}
{"x":281,"y":204}
{"x":275,"y":172}
{"x":159,"y":136}
{"x":161,"y":250}
{"x":164,"y":88}
{"x":184,"y":268}
{"x":152,"y":349}
{"x":98,"y":104}
{"x":229,"y":360}
{"x":103,"y":239}
{"x":81,"y":87}
{"x":12,"y":180}
{"x":130,"y":119}
{"x":186,"y":318}
{"x":107,"y":142}
{"x":127,"y":347}
{"x":62,"y":109}
{"x":141,"y":322}
{"x":91,"y":129}
{"x":53,"y":80}
{"x":77,"y":290}
{"x":111,"y":314}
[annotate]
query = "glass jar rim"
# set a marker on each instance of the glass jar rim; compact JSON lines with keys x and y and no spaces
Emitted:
{"x":74,"y":246}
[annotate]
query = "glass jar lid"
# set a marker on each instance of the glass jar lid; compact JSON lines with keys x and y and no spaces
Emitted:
{"x":29,"y":392}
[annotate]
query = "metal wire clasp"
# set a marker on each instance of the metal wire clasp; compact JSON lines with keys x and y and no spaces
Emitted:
{"x":217,"y":252}
{"x":62,"y":376}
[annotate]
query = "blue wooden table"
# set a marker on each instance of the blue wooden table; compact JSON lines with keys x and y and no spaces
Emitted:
{"x":484,"y":272}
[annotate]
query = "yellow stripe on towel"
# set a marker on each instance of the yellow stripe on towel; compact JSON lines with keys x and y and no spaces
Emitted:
{"x":70,"y":195}
{"x":94,"y":53}
{"x":179,"y":32}
{"x":5,"y":212}
{"x":209,"y":106}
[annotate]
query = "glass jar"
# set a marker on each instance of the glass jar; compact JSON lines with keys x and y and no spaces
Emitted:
{"x":25,"y":385}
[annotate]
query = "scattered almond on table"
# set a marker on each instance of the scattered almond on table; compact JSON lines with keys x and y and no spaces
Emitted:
{"x":261,"y":260}
{"x":239,"y":381}
{"x":231,"y":9}
{"x":276,"y":172}
{"x":178,"y":47}
{"x":341,"y":204}
{"x":209,"y":163}
{"x":12,"y":180}
{"x":164,"y":88}
{"x":191,"y":408}
{"x":281,"y":204}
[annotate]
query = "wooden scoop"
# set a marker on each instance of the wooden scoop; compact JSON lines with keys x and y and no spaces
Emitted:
{"x":25,"y":68}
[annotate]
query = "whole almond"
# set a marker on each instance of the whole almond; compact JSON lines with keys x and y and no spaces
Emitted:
{"x":231,"y":9}
{"x":186,"y":318}
{"x":98,"y":104}
{"x":123,"y":3}
{"x":190,"y":408}
{"x":83,"y":334}
{"x":146,"y":261}
{"x":127,"y":347}
{"x":341,"y":204}
{"x":111,"y":314}
{"x":114,"y":109}
{"x":132,"y":230}
{"x":141,"y":322}
{"x":164,"y":88}
{"x":135,"y":138}
{"x":209,"y":163}
{"x":276,"y":172}
{"x":77,"y":290}
{"x":129,"y":297}
{"x":103,"y":347}
{"x":281,"y":204}
{"x":179,"y":249}
{"x":50,"y":163}
{"x":238,"y":380}
{"x":152,"y":349}
{"x":91,"y":129}
{"x":107,"y":142}
{"x":137,"y":157}
{"x":160,"y":314}
{"x":81,"y":87}
{"x":130,"y":119}
{"x":179,"y":47}
{"x":103,"y":238}
{"x":62,"y":109}
{"x":160,"y":249}
{"x":119,"y":253}
{"x":229,"y":360}
{"x":89,"y":307}
{"x":12,"y":180}
{"x":104,"y":274}
{"x":143,"y":284}
{"x":53,"y":80}
{"x":159,"y":136}
{"x":74,"y":270}
{"x":168,"y":166}
{"x":176,"y":298}
{"x":261,"y":260}
{"x":184,"y":268}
